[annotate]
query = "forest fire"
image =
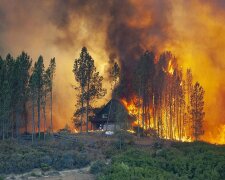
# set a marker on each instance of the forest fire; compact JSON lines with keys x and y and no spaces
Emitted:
{"x":135,"y":111}
{"x":126,"y":30}
{"x":164,"y":99}
{"x":112,"y":89}
{"x":170,"y":68}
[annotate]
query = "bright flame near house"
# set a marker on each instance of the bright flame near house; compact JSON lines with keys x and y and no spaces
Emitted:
{"x":170,"y":68}
{"x":134,"y":109}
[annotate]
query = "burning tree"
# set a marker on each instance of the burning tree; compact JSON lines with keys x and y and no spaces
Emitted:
{"x":158,"y":95}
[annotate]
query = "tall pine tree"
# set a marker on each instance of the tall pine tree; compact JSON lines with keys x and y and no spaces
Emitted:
{"x":197,"y":110}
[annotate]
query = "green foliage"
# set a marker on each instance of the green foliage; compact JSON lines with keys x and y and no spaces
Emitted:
{"x":18,"y":158}
{"x":20,"y":82}
{"x":13,"y":91}
{"x":45,"y":167}
{"x":181,"y":161}
{"x":97,"y":167}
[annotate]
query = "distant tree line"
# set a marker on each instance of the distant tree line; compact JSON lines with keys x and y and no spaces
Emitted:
{"x":25,"y":90}
{"x":165,"y":99}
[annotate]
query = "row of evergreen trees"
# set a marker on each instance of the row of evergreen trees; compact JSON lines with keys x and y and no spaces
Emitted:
{"x":25,"y":91}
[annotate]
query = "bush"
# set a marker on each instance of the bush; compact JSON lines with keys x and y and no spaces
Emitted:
{"x":67,"y":160}
{"x":18,"y":158}
{"x":45,"y":167}
{"x":70,"y":159}
{"x":81,"y":160}
{"x":110,"y":151}
{"x":181,"y":161}
{"x":97,"y":167}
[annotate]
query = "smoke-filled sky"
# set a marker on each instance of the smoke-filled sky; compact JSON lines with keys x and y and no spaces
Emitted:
{"x":121,"y":30}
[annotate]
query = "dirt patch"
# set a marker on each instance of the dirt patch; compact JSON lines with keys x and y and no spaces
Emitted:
{"x":70,"y":175}
{"x":74,"y":174}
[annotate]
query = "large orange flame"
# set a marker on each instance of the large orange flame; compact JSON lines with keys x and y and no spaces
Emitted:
{"x":133,"y":108}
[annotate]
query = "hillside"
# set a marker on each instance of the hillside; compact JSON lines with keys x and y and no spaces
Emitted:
{"x":122,"y":156}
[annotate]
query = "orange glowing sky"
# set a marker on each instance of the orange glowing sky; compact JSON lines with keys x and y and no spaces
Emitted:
{"x":193,"y":30}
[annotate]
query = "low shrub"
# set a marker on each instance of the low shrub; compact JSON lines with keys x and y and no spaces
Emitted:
{"x":97,"y":167}
{"x":81,"y":160}
{"x":45,"y":167}
{"x":19,"y":158}
{"x":181,"y":161}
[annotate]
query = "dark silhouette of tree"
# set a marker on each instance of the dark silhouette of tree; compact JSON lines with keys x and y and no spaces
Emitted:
{"x":144,"y":79}
{"x":50,"y":72}
{"x":5,"y":98}
{"x":197,"y":110}
{"x":38,"y":73}
{"x":114,"y":76}
{"x":89,"y":80}
{"x":189,"y":88}
{"x":33,"y":97}
{"x":22,"y":85}
{"x":23,"y":65}
{"x":80,"y":76}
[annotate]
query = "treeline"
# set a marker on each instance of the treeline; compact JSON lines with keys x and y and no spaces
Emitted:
{"x":25,"y":91}
{"x":166,"y":99}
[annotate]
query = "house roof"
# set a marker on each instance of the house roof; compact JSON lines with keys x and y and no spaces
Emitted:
{"x":114,"y":104}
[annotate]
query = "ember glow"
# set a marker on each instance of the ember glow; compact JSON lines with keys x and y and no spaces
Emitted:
{"x":167,"y":112}
{"x":192,"y":30}
{"x":133,"y":110}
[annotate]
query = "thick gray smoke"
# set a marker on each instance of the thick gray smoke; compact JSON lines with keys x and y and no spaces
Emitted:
{"x":125,"y":39}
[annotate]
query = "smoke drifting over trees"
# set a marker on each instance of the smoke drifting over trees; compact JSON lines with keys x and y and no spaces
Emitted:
{"x":121,"y":31}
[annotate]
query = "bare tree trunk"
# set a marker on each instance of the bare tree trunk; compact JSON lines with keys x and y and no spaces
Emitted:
{"x":3,"y":128}
{"x":171,"y":123}
{"x":12,"y":123}
{"x":82,"y":107}
{"x":143,"y":115}
{"x":139,"y":105}
{"x":17,"y":124}
{"x":39,"y":116}
{"x":32,"y":121}
{"x":154,"y":112}
{"x":166,"y":116}
{"x":44,"y":113}
{"x":87,"y":108}
{"x":25,"y":117}
{"x":180,"y":120}
{"x":51,"y":97}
